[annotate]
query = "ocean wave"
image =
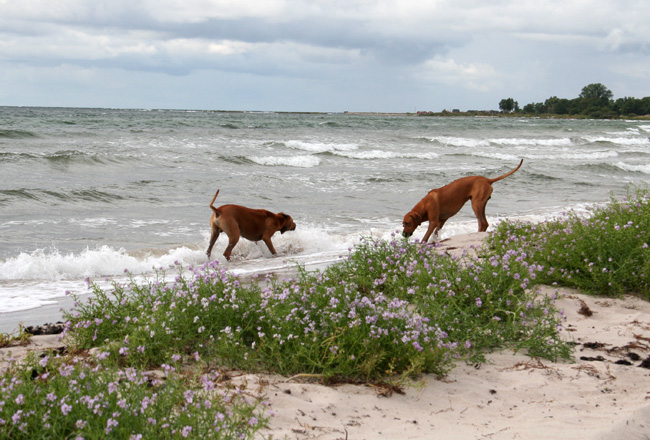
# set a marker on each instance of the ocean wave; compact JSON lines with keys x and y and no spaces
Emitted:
{"x":645,"y":128}
{"x":560,"y":142}
{"x":237,"y":160}
{"x":580,"y":155}
{"x":57,"y":159}
{"x":100,"y":262}
{"x":67,"y":157}
{"x":92,"y":223}
{"x":619,"y":140}
{"x":48,"y":196}
{"x":7,"y":196}
{"x":380,"y":154}
{"x":290,"y":161}
{"x":332,"y":124}
{"x":451,"y":141}
{"x":645,"y":168}
{"x":320,"y":147}
{"x":107,"y":261}
{"x":16,"y":134}
{"x":64,"y":157}
{"x":476,"y":143}
{"x":495,"y":155}
{"x":14,"y":157}
{"x":574,"y":155}
{"x":630,"y":131}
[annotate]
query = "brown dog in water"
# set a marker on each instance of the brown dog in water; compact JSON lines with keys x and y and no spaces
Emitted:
{"x":443,"y":203}
{"x":252,"y":224}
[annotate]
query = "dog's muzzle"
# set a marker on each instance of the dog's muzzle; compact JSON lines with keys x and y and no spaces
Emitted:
{"x":406,"y":235}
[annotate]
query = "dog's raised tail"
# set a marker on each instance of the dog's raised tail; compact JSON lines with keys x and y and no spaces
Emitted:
{"x":496,"y":179}
{"x":212,"y":203}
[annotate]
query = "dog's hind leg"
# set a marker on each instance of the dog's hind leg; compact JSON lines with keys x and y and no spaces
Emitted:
{"x":232,"y":241}
{"x":479,"y":211}
{"x":213,"y":238}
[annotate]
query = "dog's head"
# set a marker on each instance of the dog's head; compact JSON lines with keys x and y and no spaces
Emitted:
{"x":287,"y":223}
{"x":410,"y":223}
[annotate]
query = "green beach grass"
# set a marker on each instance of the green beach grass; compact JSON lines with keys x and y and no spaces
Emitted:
{"x":390,"y":312}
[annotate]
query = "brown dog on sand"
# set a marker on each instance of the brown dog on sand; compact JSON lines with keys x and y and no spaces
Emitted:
{"x":252,"y":224}
{"x":443,"y":203}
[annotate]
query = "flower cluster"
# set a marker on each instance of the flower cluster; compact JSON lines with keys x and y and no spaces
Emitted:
{"x":605,"y":252}
{"x":62,"y":397}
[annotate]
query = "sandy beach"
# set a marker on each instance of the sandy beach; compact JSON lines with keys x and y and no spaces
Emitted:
{"x":604,"y":393}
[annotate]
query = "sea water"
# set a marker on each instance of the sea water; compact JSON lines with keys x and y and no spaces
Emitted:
{"x":90,"y":193}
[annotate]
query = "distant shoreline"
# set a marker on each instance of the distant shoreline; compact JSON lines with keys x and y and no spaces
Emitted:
{"x":475,"y":114}
{"x":423,"y":113}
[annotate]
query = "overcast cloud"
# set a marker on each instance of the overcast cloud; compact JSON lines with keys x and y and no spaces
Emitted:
{"x":318,"y":55}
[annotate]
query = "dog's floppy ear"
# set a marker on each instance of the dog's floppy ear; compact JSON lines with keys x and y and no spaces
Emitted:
{"x":416,"y":218}
{"x":287,"y":223}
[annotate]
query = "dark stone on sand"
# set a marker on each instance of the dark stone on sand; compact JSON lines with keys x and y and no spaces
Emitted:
{"x":590,"y":358}
{"x":46,"y":329}
{"x":623,"y":362}
{"x":585,"y":310}
{"x":645,"y":363}
{"x":634,"y":356}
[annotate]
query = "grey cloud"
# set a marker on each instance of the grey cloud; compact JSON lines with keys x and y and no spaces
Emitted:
{"x":444,"y":50}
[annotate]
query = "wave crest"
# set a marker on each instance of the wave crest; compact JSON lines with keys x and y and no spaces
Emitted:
{"x":289,"y":161}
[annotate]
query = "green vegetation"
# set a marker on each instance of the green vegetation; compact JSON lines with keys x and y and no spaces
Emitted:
{"x":595,"y":101}
{"x":391,"y":311}
{"x":58,"y":397}
{"x":508,"y":105}
{"x":606,"y":254}
{"x":21,"y":338}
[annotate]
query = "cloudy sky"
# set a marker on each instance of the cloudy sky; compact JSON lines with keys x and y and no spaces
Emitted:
{"x":318,"y":55}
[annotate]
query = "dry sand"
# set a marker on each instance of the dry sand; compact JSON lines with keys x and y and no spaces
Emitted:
{"x":603,"y":394}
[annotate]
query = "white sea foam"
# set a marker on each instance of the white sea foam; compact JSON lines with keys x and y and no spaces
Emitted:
{"x":460,"y":141}
{"x":645,"y":168}
{"x":625,"y":141}
{"x":146,"y":223}
{"x":475,"y":143}
{"x":533,"y":142}
{"x":575,"y":155}
{"x":99,"y":222}
{"x":16,"y":296}
{"x":497,"y":155}
{"x":290,"y":161}
{"x":103,"y":261}
{"x":645,"y":128}
{"x":381,"y":154}
{"x":34,"y":279}
{"x":630,"y":131}
{"x":320,"y":147}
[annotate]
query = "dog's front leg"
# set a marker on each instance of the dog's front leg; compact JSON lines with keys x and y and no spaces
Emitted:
{"x":440,"y":225}
{"x":432,"y":227}
{"x":269,"y":244}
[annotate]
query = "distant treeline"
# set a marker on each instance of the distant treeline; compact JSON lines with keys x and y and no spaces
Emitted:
{"x":595,"y":101}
